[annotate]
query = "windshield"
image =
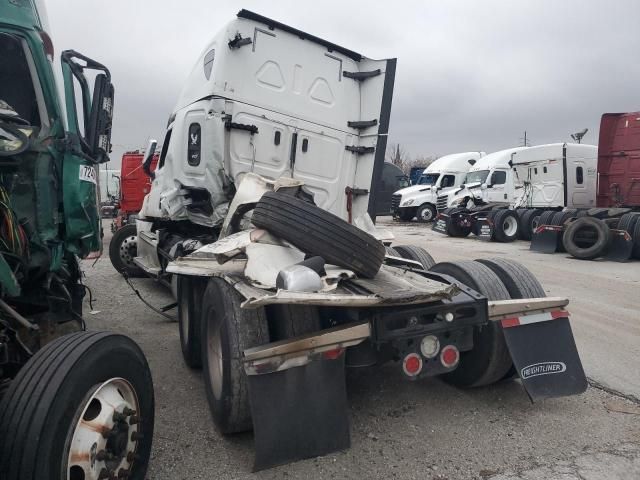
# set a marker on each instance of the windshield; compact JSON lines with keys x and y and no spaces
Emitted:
{"x":428,"y":179}
{"x":478,"y":176}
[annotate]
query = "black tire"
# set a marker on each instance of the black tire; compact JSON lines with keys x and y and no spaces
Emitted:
{"x":489,"y":360}
{"x":506,"y":225}
{"x":628,"y":222}
{"x":50,"y":394}
{"x":318,"y":232}
{"x":586,"y":249}
{"x":636,"y":241}
{"x":418,"y":254}
{"x":526,"y":223}
{"x":406,"y":214}
{"x":582,"y":213}
{"x":123,"y":249}
{"x":521,"y":211}
{"x":190,"y":295}
{"x":231,"y":330}
{"x":454,"y":230}
{"x":546,"y":218}
{"x":426,"y":213}
{"x":391,"y":252}
{"x":288,"y":321}
{"x":560,"y":218}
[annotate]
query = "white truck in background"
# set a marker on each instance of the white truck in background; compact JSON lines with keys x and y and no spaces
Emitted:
{"x":441,"y":176}
{"x":544,"y":177}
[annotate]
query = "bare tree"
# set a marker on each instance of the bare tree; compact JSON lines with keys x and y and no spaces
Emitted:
{"x":397,"y":155}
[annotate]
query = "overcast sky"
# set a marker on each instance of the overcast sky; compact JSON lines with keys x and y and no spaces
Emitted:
{"x":472,"y":75}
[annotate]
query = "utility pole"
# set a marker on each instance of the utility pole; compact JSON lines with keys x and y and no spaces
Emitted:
{"x":525,"y":142}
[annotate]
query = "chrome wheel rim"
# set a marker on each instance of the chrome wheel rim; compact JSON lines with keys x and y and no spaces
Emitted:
{"x":510,"y":226}
{"x":129,"y":250}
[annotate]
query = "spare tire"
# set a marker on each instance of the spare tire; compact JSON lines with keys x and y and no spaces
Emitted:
{"x":505,"y":226}
{"x":418,"y":254}
{"x":318,"y":232}
{"x":586,"y":238}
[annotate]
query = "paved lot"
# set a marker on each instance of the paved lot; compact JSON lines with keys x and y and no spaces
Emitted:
{"x":427,"y":429}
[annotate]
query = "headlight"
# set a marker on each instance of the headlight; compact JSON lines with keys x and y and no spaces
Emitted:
{"x":407,"y":203}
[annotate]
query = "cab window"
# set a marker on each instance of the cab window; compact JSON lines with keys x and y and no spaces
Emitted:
{"x":579,"y":176}
{"x":499,"y":177}
{"x":16,"y":85}
{"x":448,"y":181}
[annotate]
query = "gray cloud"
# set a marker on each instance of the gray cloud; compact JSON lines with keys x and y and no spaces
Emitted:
{"x":472,"y":75}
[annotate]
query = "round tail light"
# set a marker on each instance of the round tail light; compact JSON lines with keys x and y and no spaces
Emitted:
{"x":449,"y":356}
{"x":412,"y":364}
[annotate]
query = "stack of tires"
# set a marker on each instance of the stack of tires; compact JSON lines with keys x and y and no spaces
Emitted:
{"x":590,"y":237}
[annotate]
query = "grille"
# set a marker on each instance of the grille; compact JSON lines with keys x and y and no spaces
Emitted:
{"x":395,"y":201}
{"x":442,"y":201}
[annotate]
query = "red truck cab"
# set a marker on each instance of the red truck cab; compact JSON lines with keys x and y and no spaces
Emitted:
{"x":134,"y":185}
{"x":619,"y":161}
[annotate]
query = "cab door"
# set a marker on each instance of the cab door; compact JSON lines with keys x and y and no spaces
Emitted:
{"x":497,"y":190}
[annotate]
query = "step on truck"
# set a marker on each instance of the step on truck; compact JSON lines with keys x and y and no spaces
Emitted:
{"x":611,"y":229}
{"x":260,"y":210}
{"x":443,"y":175}
{"x":505,"y":193}
{"x":73,"y":404}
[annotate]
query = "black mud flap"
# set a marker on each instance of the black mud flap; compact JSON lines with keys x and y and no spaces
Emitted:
{"x":299,"y":413}
{"x":483,"y":229}
{"x":544,"y":353}
{"x":441,"y":224}
{"x":546,"y":239}
{"x":621,"y":247}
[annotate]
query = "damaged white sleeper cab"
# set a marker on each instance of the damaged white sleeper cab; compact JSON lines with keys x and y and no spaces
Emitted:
{"x":259,"y":210}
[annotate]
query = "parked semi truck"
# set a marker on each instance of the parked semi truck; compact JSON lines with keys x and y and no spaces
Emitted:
{"x":73,"y":404}
{"x":260,"y":207}
{"x":532,"y":180}
{"x":135,"y":183}
{"x":439,"y":178}
{"x":612,"y":229}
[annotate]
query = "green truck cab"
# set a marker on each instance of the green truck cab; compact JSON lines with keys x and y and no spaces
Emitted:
{"x":74,"y":404}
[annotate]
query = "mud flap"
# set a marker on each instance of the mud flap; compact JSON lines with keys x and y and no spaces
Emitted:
{"x":300,"y":412}
{"x":620,"y":248}
{"x":483,"y":229}
{"x":546,"y":239}
{"x":544,"y":353}
{"x":441,"y":224}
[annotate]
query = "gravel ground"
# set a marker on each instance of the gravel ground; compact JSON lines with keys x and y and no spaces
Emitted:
{"x":426,"y":429}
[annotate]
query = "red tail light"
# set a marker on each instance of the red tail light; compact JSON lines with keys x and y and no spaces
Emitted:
{"x":412,"y":364}
{"x":449,"y":356}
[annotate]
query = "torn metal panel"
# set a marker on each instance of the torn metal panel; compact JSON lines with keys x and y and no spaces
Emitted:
{"x":392,"y":286}
{"x":364,"y":222}
{"x":264,"y":262}
{"x":206,"y":267}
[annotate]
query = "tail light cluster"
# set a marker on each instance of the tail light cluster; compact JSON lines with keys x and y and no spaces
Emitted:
{"x":430,"y":348}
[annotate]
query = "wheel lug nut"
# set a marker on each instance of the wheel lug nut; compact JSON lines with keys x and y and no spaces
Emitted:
{"x":136,"y":436}
{"x":131,"y":457}
{"x":106,"y":474}
{"x":127,"y":411}
{"x":119,"y":417}
{"x":134,"y":420}
{"x":103,"y":455}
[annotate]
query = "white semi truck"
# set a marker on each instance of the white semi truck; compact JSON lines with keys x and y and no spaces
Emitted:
{"x":545,"y":177}
{"x":439,"y":178}
{"x":259,"y":209}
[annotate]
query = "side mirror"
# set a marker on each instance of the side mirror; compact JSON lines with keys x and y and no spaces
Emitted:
{"x":484,"y":186}
{"x":100,"y":119}
{"x":148,"y":157}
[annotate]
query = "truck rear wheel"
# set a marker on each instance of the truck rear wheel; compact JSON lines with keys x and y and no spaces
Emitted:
{"x":418,"y":254}
{"x":636,"y":241}
{"x":288,"y":321}
{"x":228,"y":330}
{"x":81,"y":408}
{"x":453,"y":229}
{"x":506,"y":225}
{"x":527,"y":226}
{"x":489,"y":360}
{"x":123,"y":248}
{"x":190,"y":295}
{"x":318,"y":232}
{"x":520,"y":283}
